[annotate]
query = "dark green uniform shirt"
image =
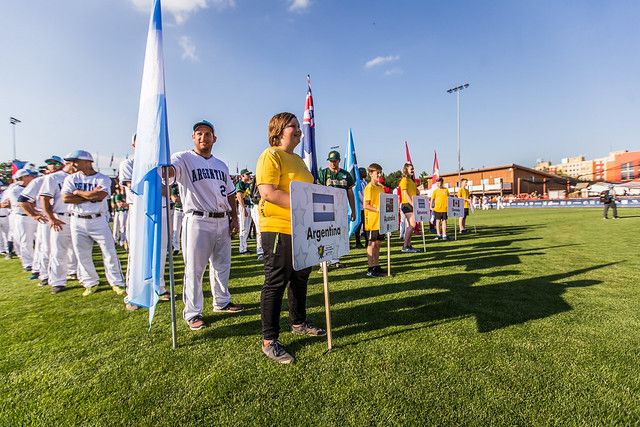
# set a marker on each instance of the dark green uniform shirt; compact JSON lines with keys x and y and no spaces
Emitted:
{"x":244,"y":189}
{"x":340,"y":179}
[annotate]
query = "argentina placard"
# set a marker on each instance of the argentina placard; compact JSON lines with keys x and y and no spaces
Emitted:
{"x":319,"y":224}
{"x":389,"y":215}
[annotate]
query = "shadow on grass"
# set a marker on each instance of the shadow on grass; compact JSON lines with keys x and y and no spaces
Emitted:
{"x":494,"y":306}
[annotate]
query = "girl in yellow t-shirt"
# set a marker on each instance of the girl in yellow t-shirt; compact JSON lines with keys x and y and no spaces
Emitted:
{"x":408,"y":189}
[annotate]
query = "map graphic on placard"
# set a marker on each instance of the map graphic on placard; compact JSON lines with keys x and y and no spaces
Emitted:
{"x":319,"y":224}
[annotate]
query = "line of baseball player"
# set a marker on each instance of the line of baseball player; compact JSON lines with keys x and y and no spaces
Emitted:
{"x":52,"y":220}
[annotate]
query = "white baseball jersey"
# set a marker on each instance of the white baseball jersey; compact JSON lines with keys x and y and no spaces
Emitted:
{"x":31,"y":191}
{"x":204,"y":184}
{"x":3,"y":211}
{"x":125,"y":173}
{"x":80,"y":181}
{"x":12,"y":193}
{"x":52,"y":187}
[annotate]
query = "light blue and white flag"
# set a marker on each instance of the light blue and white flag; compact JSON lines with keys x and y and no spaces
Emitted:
{"x":323,"y":208}
{"x":152,"y":151}
{"x":351,"y":166}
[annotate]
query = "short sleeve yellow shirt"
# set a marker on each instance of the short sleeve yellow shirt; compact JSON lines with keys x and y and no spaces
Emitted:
{"x":410,"y":186}
{"x":463,"y":193}
{"x":372,"y":196}
{"x":440,"y":196}
{"x":279,"y":168}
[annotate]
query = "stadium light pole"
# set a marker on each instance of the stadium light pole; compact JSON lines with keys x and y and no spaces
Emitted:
{"x":457,"y":91}
{"x":14,"y":122}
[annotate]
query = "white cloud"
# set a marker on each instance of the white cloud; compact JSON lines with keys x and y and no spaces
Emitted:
{"x":380,"y":60}
{"x":188,"y":49}
{"x":182,"y":9}
{"x":393,"y":71}
{"x":299,"y":5}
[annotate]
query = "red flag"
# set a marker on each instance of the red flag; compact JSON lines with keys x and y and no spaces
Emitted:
{"x":406,"y":153}
{"x":436,"y":169}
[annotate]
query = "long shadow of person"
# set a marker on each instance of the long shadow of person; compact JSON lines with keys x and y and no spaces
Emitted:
{"x":494,"y":306}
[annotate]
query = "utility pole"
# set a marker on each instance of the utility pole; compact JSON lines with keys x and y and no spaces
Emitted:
{"x":13,"y":121}
{"x":457,"y":91}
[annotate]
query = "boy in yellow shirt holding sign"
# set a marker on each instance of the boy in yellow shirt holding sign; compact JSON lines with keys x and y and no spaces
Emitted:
{"x":372,"y":220}
{"x":463,"y":193}
{"x":440,"y":207}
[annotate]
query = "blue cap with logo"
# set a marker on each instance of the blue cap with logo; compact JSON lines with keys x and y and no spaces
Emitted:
{"x":203,"y":123}
{"x":54,"y":159}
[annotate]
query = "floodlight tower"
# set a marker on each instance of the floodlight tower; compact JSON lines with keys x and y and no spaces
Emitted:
{"x":13,"y":121}
{"x":457,"y":91}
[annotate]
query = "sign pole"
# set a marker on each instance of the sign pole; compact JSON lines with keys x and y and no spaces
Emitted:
{"x":327,"y":311}
{"x":455,"y":230}
{"x":424,"y":242}
{"x":388,"y":254}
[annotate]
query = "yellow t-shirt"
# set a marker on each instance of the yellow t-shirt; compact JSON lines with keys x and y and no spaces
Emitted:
{"x":279,"y":168}
{"x":372,"y":195}
{"x":463,"y":193}
{"x":440,"y":197}
{"x":410,"y":186}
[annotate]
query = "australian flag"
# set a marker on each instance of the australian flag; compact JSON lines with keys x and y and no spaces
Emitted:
{"x":309,"y":134}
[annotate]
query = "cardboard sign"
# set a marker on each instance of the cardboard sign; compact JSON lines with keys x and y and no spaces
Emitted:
{"x":456,"y":207}
{"x":421,"y":208}
{"x":389,"y":215}
{"x":319,"y":224}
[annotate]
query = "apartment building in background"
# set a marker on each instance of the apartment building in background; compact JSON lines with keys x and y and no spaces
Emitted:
{"x":617,"y":166}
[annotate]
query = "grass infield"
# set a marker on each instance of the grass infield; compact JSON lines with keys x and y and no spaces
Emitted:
{"x":533,"y":320}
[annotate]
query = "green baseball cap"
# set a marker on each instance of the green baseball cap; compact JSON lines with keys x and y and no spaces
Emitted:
{"x":333,"y":155}
{"x":245,"y":172}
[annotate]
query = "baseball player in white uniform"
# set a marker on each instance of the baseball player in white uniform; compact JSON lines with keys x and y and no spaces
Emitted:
{"x":5,"y":203}
{"x":4,"y":228}
{"x":210,"y":217}
{"x":178,"y":215}
{"x":24,"y":231}
{"x":87,"y":191}
{"x":243,"y":190}
{"x":62,"y":260}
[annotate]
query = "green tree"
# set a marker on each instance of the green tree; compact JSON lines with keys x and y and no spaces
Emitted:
{"x":392,"y":179}
{"x":5,"y":172}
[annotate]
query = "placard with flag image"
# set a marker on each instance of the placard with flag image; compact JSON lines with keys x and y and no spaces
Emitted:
{"x":323,"y":208}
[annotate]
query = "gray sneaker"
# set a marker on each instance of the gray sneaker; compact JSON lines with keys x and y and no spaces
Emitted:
{"x":308,"y":328}
{"x":408,"y":249}
{"x":275,"y":351}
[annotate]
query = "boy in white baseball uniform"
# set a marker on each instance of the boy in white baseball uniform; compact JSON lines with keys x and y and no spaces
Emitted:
{"x":210,"y":217}
{"x":243,"y":190}
{"x":24,"y":232}
{"x":87,"y":192}
{"x":4,"y":227}
{"x":62,"y":259}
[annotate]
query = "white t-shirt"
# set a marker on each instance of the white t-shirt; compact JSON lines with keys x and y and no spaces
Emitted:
{"x":204,"y":184}
{"x":32,"y":190}
{"x":12,"y":193}
{"x":125,"y":174}
{"x":52,"y":187}
{"x":80,"y":181}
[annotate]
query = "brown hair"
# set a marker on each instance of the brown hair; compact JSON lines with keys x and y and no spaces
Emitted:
{"x":374,"y":167}
{"x":405,"y":169}
{"x":277,"y":125}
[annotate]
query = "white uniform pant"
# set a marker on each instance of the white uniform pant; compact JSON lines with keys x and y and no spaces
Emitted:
{"x":4,"y":233}
{"x":41,"y":259}
{"x":25,"y":235}
{"x":178,"y":215}
{"x":120,"y":227}
{"x":255,"y":216}
{"x":83,"y":233}
{"x":63,"y":259}
{"x":13,"y":233}
{"x":244,"y":222}
{"x":205,"y":240}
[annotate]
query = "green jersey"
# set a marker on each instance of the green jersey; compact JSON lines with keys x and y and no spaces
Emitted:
{"x":340,"y":179}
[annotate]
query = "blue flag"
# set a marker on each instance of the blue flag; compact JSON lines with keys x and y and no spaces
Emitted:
{"x":308,"y":145}
{"x":152,"y":150}
{"x":351,"y":166}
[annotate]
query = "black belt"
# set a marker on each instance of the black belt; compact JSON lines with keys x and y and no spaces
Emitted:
{"x":87,"y":216}
{"x":3,"y":216}
{"x":178,"y":209}
{"x":21,"y":214}
{"x":209,"y":214}
{"x":63,"y":213}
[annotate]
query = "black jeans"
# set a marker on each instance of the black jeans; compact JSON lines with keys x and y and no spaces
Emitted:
{"x":361,"y":229}
{"x":278,"y":275}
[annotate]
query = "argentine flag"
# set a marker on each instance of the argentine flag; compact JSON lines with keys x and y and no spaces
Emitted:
{"x":152,"y":150}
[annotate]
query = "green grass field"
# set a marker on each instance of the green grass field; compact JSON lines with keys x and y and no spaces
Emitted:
{"x":533,"y":320}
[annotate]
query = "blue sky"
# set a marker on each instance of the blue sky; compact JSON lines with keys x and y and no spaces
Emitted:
{"x":548,"y":79}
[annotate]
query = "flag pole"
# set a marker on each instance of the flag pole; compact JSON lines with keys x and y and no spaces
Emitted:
{"x":327,"y":310}
{"x":174,"y":338}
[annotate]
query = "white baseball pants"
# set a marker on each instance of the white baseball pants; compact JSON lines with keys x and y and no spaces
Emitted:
{"x":83,"y":233}
{"x":25,"y":228}
{"x":41,"y":259}
{"x":4,"y":233}
{"x":244,"y":222}
{"x":255,"y":216}
{"x":205,"y":240}
{"x":178,"y":215}
{"x":63,"y":259}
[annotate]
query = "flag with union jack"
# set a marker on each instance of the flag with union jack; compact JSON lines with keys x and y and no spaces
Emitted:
{"x":309,"y":134}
